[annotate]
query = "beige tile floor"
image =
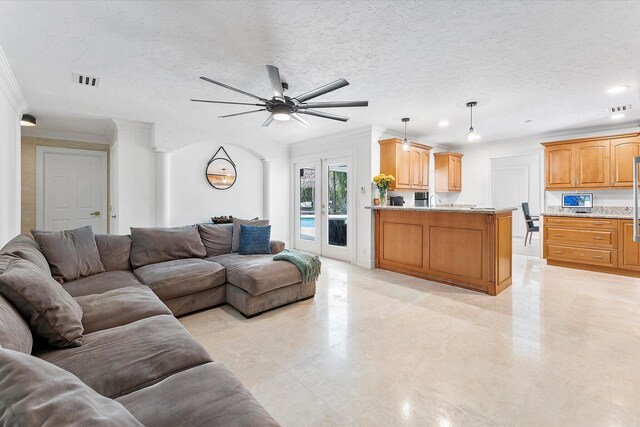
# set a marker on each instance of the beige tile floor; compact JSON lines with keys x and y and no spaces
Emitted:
{"x":561,"y":347}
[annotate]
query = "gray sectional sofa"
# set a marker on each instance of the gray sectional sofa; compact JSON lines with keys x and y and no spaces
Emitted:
{"x":134,"y":354}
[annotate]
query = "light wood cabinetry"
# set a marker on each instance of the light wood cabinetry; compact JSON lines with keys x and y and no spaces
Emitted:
{"x":591,"y":244}
{"x":622,"y":150}
{"x":470,"y":250}
{"x":448,"y":172}
{"x":409,"y":168}
{"x":602,"y":162}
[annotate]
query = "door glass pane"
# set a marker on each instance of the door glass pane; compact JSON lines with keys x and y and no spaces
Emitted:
{"x":307,"y":204}
{"x":337,"y":204}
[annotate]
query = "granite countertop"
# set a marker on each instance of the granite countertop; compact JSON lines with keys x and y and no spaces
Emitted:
{"x":454,"y":209}
{"x":589,"y":215}
{"x":608,"y":212}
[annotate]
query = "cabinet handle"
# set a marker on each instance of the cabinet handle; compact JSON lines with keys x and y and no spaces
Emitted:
{"x":598,"y":238}
{"x":598,"y":256}
{"x":557,"y":235}
{"x":598,"y":223}
{"x":558,"y":252}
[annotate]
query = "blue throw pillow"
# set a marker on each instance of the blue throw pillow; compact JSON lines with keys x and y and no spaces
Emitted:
{"x":255,"y":240}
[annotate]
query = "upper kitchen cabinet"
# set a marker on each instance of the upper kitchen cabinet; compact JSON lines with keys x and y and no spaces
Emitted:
{"x":622,"y":151}
{"x":600,"y":162}
{"x":448,"y":172}
{"x":409,"y":168}
{"x":593,"y":164}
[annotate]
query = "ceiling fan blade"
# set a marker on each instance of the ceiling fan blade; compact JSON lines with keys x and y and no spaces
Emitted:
{"x":324,"y":115}
{"x":239,"y":114}
{"x":226,"y":102}
{"x":276,"y":82}
{"x":322,"y":90}
{"x":300,"y":120}
{"x":206,"y":79}
{"x":336,"y":104}
{"x":268,"y":121}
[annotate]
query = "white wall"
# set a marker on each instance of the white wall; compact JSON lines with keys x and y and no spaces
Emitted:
{"x":12,"y":106}
{"x":133,"y":181}
{"x":193,"y":200}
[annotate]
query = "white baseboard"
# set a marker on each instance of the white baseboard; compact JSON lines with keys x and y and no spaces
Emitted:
{"x":365,"y":262}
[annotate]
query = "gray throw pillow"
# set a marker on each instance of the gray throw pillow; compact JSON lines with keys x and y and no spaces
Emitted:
{"x":14,"y":331}
{"x":25,"y":247}
{"x":37,"y":393}
{"x":71,"y":254}
{"x":52,"y":313}
{"x":114,"y":251}
{"x":235,"y":245}
{"x":217,"y":238}
{"x":154,"y":245}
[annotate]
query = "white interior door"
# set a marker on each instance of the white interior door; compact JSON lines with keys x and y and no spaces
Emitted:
{"x":323,"y":207}
{"x":510,"y":187}
{"x":71,"y":189}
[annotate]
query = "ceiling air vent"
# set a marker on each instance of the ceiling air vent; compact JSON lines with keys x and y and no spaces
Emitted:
{"x":620,"y":109}
{"x":84,"y":80}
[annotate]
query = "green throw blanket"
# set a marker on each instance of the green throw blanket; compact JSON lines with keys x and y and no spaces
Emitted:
{"x":309,"y":265}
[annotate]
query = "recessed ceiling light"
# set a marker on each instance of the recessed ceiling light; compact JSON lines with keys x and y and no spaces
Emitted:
{"x":617,"y":116}
{"x":617,"y":89}
{"x":527,"y":121}
{"x":443,"y":123}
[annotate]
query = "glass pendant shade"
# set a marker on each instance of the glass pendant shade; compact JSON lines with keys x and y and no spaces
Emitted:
{"x":405,"y":145}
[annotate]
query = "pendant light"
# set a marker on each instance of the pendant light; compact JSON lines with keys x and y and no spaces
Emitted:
{"x":472,"y":135}
{"x":405,"y":142}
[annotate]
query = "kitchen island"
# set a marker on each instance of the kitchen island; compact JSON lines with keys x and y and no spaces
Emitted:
{"x":460,"y":246}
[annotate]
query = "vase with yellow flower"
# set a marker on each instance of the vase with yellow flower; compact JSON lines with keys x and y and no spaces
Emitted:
{"x":383,"y":182}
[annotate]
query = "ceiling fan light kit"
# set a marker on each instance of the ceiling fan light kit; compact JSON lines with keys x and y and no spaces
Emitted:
{"x":284,"y":108}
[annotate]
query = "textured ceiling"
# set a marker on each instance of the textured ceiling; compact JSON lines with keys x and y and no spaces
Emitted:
{"x":549,"y":62}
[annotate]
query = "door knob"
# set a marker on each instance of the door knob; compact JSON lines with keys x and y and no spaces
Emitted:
{"x":96,"y":213}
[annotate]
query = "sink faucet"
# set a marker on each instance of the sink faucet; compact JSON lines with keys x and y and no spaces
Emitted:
{"x":431,"y":204}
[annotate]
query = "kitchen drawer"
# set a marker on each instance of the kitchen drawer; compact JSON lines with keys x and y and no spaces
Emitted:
{"x":601,"y":257}
{"x":578,"y":236}
{"x":581,"y":222}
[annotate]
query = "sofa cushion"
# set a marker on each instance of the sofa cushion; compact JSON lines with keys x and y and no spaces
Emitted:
{"x":52,"y":312}
{"x":123,"y":359}
{"x":36,"y":393}
{"x":153,"y":245}
{"x":102,"y":282}
{"x":216,"y":397}
{"x":25,"y":247}
{"x":71,"y":254}
{"x":255,"y":240}
{"x":181,"y":277}
{"x":119,"y":307}
{"x":14,"y":331}
{"x":257,"y":274}
{"x":114,"y":251}
{"x":217,"y":238}
{"x":235,"y":243}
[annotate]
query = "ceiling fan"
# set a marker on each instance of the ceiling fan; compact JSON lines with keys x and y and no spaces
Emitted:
{"x":282,"y":107}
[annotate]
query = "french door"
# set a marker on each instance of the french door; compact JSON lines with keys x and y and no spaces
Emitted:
{"x":323,"y":207}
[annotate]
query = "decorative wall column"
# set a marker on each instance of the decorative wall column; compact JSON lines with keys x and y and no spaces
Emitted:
{"x":163,"y":188}
{"x":266,"y":189}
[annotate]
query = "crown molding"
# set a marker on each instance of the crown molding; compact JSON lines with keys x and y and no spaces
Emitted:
{"x":9,"y":86}
{"x":35,"y":132}
{"x":333,"y":137}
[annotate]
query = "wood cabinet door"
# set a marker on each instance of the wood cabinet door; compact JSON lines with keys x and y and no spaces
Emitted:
{"x":403,"y":168}
{"x":559,"y":161}
{"x":416,"y":171}
{"x":424,"y":169}
{"x":593,"y":164}
{"x":452,"y":173}
{"x":629,"y":251}
{"x":622,"y":153}
{"x":458,"y":174}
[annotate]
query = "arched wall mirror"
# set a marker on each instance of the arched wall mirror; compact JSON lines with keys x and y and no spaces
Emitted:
{"x":221,"y":172}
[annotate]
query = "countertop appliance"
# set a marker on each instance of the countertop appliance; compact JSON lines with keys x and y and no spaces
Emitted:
{"x":581,"y":201}
{"x":396,"y":200}
{"x":421,"y":199}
